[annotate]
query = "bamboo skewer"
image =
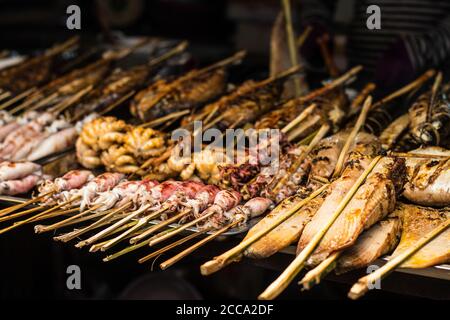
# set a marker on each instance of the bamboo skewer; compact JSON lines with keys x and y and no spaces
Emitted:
{"x":416,"y":83}
{"x":42,"y":228}
{"x":164,"y":236}
{"x":40,"y":215}
{"x":96,"y":247}
{"x":319,"y":136}
{"x":17,"y":98}
{"x":362,"y":286}
{"x":24,"y":204}
{"x":115,"y":104}
{"x":234,"y":254}
{"x":302,"y":116}
{"x":70,"y":101}
{"x":159,"y":226}
{"x":173,"y":245}
{"x":20,"y":214}
{"x":434,"y":90}
{"x":314,"y":276}
{"x":291,"y":43}
{"x":126,"y":250}
{"x":163,"y":119}
{"x":5,"y":95}
{"x":350,"y":140}
{"x":302,"y":38}
{"x":297,"y":265}
{"x":332,"y":85}
{"x":47,"y":100}
{"x":116,"y":225}
{"x":76,"y":233}
{"x":416,"y":155}
{"x":199,"y":244}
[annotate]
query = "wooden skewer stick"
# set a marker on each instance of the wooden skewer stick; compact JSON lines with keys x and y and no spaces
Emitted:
{"x":199,"y":244}
{"x":233,"y":254}
{"x":417,"y":155}
{"x":351,"y":137}
{"x":332,"y":85}
{"x":117,"y":103}
{"x":302,"y":38}
{"x":416,"y":83}
{"x":5,"y":95}
{"x":164,"y":236}
{"x":302,"y":116}
{"x":434,"y":91}
{"x":291,"y":43}
{"x":40,"y":215}
{"x":24,"y":204}
{"x":70,"y":101}
{"x":362,"y":286}
{"x":17,"y":98}
{"x":96,"y":247}
{"x":297,"y":265}
{"x":314,"y":276}
{"x":319,"y":136}
{"x":158,"y":121}
{"x":173,"y":245}
{"x":361,"y":97}
{"x":159,"y":226}
{"x":21,"y":214}
{"x":116,"y":225}
{"x":169,"y":54}
{"x":56,"y":214}
{"x":76,"y":233}
{"x":85,"y":218}
{"x":41,"y":228}
{"x":33,"y":103}
{"x":126,"y":250}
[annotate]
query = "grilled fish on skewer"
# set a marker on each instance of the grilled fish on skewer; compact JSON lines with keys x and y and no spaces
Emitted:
{"x":373,"y":201}
{"x":428,"y":179}
{"x":377,"y":241}
{"x":355,"y":165}
{"x":286,"y":233}
{"x":186,"y":92}
{"x":417,"y":222}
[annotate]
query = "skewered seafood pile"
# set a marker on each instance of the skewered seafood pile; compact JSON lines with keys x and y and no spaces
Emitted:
{"x":340,"y":199}
{"x":19,"y":177}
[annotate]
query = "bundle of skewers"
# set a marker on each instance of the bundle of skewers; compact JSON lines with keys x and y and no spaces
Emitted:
{"x":351,"y":183}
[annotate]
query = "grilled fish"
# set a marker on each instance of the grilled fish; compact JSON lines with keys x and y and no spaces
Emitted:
{"x":379,"y":240}
{"x":374,"y":200}
{"x":417,"y":222}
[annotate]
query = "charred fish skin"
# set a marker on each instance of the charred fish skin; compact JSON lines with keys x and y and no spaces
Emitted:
{"x":187,"y":92}
{"x":428,"y":179}
{"x":417,"y":222}
{"x":377,"y":241}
